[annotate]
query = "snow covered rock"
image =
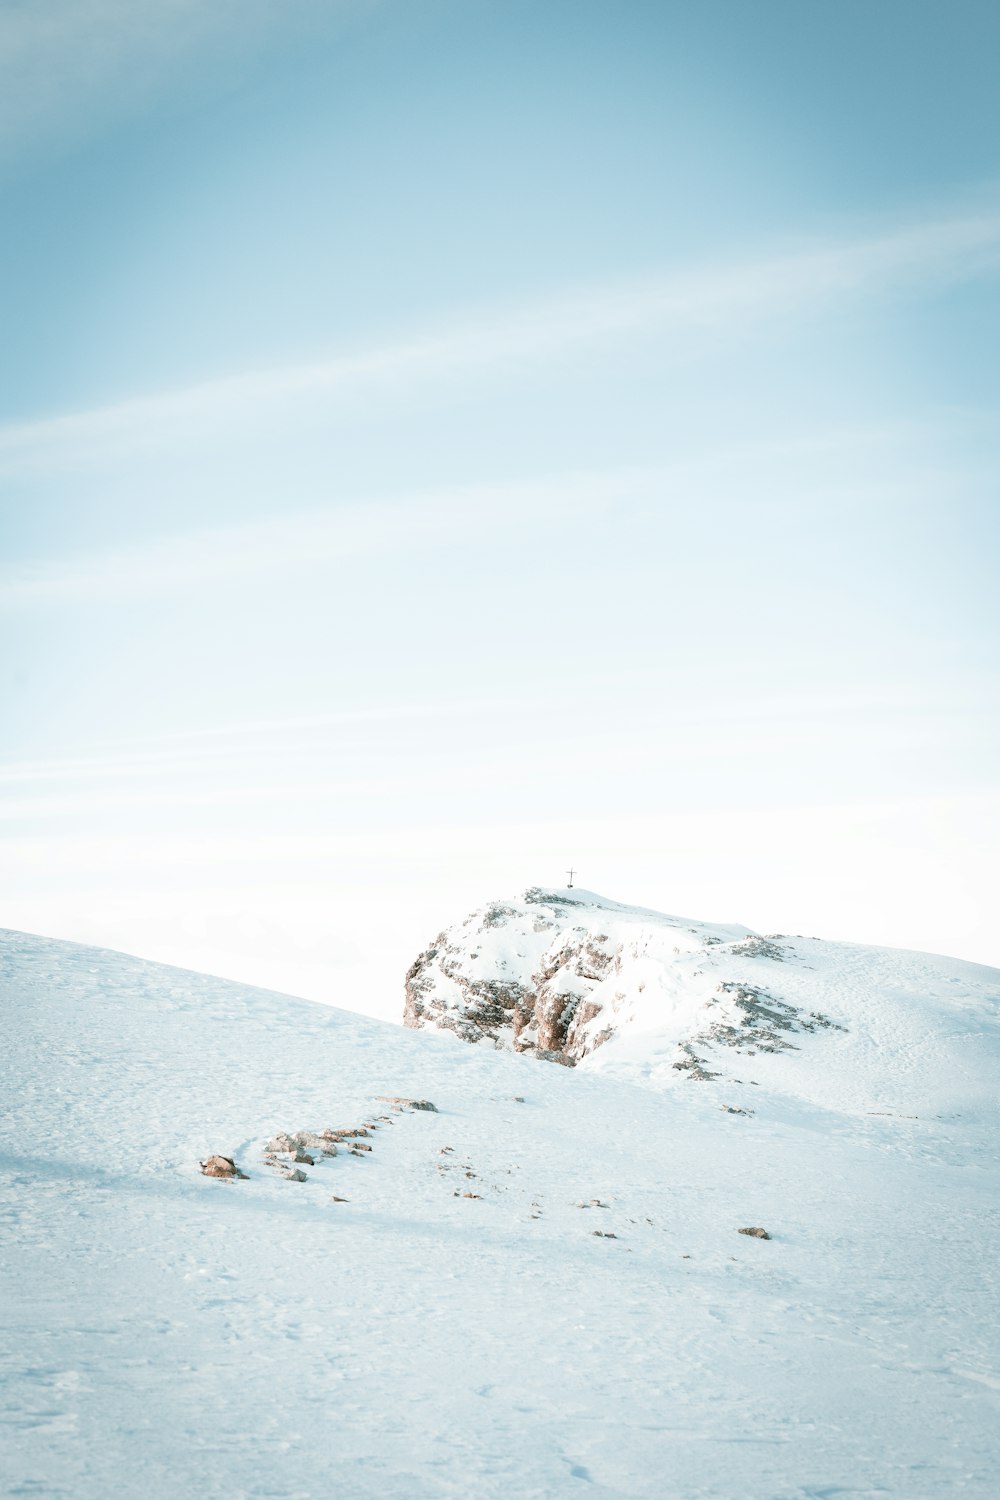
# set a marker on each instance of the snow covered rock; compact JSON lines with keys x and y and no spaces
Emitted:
{"x":399,"y":1103}
{"x":560,"y":973}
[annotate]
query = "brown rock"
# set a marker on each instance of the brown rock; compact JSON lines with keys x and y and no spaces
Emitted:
{"x":221,"y":1166}
{"x":755,"y":1232}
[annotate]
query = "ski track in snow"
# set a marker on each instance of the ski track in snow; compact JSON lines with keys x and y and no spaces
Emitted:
{"x":169,"y":1335}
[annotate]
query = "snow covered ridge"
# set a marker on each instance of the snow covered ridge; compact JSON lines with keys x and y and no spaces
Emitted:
{"x":572,"y":977}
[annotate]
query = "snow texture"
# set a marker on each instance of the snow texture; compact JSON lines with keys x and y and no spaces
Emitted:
{"x":537,"y":1289}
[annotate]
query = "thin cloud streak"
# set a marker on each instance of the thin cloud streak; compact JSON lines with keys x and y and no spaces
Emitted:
{"x":459,"y":514}
{"x":307,"y":538}
{"x":716,"y":299}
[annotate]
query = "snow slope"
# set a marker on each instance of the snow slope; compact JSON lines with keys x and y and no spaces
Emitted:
{"x":169,"y":1335}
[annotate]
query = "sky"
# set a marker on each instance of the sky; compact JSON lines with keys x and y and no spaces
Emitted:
{"x":445,"y":443}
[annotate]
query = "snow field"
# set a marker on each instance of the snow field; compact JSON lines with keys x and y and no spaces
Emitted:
{"x":166,"y":1334}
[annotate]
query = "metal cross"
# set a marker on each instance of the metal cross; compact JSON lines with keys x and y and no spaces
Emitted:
{"x":570,"y":873}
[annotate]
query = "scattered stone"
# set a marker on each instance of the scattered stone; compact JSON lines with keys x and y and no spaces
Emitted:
{"x":335,"y":1199}
{"x":471,"y":1195}
{"x":358,"y":1148}
{"x":294,"y":1174}
{"x":758,"y":947}
{"x":604,"y":1234}
{"x":303,"y":1156}
{"x":399,"y":1102}
{"x":221,"y":1166}
{"x":756,"y":1232}
{"x":734,"y":1109}
{"x":446,"y":1150}
{"x":283,"y":1144}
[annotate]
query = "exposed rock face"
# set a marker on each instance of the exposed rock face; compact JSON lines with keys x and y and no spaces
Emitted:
{"x":560,"y":973}
{"x":518,"y":975}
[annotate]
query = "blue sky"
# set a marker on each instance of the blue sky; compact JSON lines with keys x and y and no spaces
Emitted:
{"x":440,"y":442}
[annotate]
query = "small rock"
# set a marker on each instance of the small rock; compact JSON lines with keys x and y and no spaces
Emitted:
{"x":221,"y":1166}
{"x":401,"y":1103}
{"x":304,"y":1156}
{"x":471,"y":1195}
{"x":294,"y":1174}
{"x":358,"y":1147}
{"x":335,"y":1199}
{"x":604,"y":1234}
{"x":756,"y":1232}
{"x":283,"y":1143}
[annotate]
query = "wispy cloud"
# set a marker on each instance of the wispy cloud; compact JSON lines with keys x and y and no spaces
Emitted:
{"x":310,"y":538}
{"x":685,"y":303}
{"x":893,"y":465}
{"x":68,"y":68}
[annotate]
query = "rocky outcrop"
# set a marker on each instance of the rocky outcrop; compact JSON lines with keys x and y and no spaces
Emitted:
{"x":519,"y":975}
{"x":559,"y":974}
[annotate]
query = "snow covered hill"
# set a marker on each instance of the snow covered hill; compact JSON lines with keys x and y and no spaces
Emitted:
{"x":572,"y":977}
{"x":536,"y":1289}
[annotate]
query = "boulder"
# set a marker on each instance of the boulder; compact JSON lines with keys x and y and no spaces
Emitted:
{"x":221,"y":1166}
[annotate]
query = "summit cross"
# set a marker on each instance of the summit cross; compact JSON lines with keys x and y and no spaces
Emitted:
{"x":570,"y":873}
